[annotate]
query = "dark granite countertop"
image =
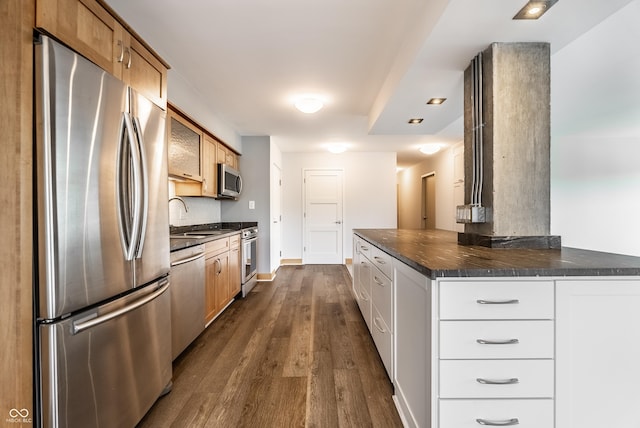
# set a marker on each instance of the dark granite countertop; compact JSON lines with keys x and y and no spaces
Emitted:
{"x":436,"y":253}
{"x":178,"y":240}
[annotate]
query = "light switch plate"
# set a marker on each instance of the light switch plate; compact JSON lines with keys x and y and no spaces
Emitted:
{"x":252,"y":205}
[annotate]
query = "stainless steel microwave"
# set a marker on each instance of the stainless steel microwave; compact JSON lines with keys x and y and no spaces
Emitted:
{"x":229,"y":182}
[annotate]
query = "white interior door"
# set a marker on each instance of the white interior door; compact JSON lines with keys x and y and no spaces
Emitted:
{"x":276,"y":217}
{"x":323,"y":216}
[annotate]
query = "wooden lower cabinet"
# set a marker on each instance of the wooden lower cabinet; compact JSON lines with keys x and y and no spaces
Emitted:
{"x":235,"y":273}
{"x":222,"y":274}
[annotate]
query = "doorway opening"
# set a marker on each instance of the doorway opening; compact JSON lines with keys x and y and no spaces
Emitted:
{"x":428,"y":205}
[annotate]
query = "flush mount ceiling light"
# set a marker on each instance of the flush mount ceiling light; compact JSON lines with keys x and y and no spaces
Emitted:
{"x":534,"y":9}
{"x":337,"y":148}
{"x":415,"y":121}
{"x":436,"y":101}
{"x":309,"y":104}
{"x":430,"y":148}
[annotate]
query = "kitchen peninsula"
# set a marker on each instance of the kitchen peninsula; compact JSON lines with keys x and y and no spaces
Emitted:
{"x":473,"y":336}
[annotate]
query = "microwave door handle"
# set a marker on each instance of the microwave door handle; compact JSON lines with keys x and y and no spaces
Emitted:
{"x":143,"y":187}
{"x":239,"y":184}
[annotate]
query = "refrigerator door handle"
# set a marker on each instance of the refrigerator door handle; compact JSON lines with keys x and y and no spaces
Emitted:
{"x":123,"y":185}
{"x":144,"y":188}
{"x":80,"y":326}
{"x":136,"y":167}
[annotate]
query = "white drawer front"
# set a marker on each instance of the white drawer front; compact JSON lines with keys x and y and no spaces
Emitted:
{"x":488,"y":413}
{"x":382,"y":261}
{"x":382,"y":296}
{"x":365,"y":248}
{"x":496,"y":339}
{"x":364,"y":302}
{"x":383,"y":339}
{"x":496,"y":379}
{"x":496,"y":300}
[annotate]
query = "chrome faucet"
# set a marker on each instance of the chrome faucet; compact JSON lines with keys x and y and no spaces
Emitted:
{"x":177,"y":198}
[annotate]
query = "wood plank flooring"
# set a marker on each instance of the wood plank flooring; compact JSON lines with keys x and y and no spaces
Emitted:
{"x":296,"y":352}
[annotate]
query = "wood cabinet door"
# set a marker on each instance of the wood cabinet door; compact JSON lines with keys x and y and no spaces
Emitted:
{"x":234,"y":272}
{"x":222,"y":281}
{"x":211,"y":269}
{"x":209,"y":181}
{"x":185,"y":147}
{"x":143,"y":71}
{"x":86,"y":27}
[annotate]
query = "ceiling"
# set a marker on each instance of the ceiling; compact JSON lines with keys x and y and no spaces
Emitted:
{"x":375,"y":62}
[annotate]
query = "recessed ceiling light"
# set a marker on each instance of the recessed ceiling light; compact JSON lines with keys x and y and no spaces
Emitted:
{"x":534,"y":9}
{"x":415,"y":121}
{"x":309,"y":104}
{"x":430,"y":148}
{"x":436,"y":101}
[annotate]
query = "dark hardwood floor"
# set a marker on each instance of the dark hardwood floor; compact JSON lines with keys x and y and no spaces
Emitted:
{"x":296,"y":352}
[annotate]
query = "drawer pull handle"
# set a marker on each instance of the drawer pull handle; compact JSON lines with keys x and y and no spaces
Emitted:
{"x":375,"y":322}
{"x":380,"y":260}
{"x":363,"y":298}
{"x":498,"y":302}
{"x":498,"y":342}
{"x":505,"y":423}
{"x":377,"y":281}
{"x":511,"y":381}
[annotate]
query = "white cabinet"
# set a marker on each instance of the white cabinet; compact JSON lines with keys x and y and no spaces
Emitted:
{"x":413,"y":348}
{"x":502,"y":413}
{"x":496,"y":341}
{"x":373,"y":289}
{"x":554,"y":352}
{"x":597,"y":353}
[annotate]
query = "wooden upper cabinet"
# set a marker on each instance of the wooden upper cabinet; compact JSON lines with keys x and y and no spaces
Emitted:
{"x":209,"y":184}
{"x":93,"y":30}
{"x":143,"y":71}
{"x":226,"y":156}
{"x":185,"y":148}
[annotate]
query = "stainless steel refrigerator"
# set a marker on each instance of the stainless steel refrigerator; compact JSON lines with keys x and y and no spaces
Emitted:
{"x":103,"y":329}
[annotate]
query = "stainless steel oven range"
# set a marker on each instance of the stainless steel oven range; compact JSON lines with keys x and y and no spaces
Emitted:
{"x":249,"y":245}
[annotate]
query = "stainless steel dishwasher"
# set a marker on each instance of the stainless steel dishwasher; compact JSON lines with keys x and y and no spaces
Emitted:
{"x":187,"y":297}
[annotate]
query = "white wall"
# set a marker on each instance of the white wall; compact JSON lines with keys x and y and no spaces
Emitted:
{"x":410,"y":192}
{"x":595,"y":144}
{"x":369,"y":200}
{"x":255,"y":170}
{"x":201,"y":210}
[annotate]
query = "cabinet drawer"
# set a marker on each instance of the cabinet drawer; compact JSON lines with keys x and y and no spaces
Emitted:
{"x":364,"y":303}
{"x":382,"y":295}
{"x":234,"y":241}
{"x":483,"y":413}
{"x":364,"y":248}
{"x":496,"y":379}
{"x":496,"y":339}
{"x":382,"y":261}
{"x":496,"y":300}
{"x":216,"y":246}
{"x":383,"y":339}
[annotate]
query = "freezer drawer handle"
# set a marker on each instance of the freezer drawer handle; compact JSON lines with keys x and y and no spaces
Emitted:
{"x":505,"y":423}
{"x":81,"y":326}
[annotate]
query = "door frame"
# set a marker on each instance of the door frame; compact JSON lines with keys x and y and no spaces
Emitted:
{"x":304,"y":220}
{"x":423,"y":199}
